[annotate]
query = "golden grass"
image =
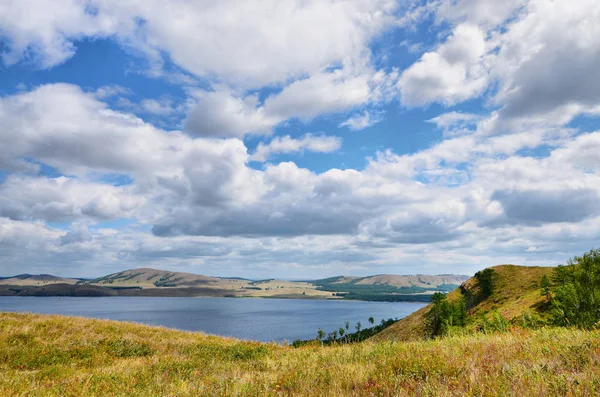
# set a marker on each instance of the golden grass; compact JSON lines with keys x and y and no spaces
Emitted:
{"x":65,"y":356}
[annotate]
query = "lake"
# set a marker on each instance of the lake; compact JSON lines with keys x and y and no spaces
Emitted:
{"x":245,"y":318}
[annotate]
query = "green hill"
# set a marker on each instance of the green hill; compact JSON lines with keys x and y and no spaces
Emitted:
{"x":67,"y":356}
{"x":516,"y":293}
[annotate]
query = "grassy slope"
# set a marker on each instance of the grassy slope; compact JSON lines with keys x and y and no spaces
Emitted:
{"x":516,"y":292}
{"x":62,"y":356}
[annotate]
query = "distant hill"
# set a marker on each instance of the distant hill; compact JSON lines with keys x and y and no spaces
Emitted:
{"x":149,"y":278}
{"x":390,"y":287}
{"x":515,"y":293}
{"x":36,"y":279}
{"x":154,"y":282}
{"x":419,"y":280}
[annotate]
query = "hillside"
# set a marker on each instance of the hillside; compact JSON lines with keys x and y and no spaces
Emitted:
{"x":516,"y":292}
{"x":151,"y":278}
{"x":67,"y":356}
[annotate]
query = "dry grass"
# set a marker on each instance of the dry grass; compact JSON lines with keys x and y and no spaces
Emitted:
{"x":64,"y":356}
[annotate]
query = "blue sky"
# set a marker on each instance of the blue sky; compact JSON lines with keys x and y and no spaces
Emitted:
{"x":299,"y":138}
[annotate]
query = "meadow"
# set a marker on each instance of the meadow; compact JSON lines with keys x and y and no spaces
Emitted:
{"x":45,"y":355}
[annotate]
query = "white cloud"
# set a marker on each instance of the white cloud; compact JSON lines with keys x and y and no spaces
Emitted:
{"x":361,"y":121}
{"x":318,"y":52}
{"x":249,"y":44}
{"x":485,"y":12}
{"x":221,"y":113}
{"x":546,"y":64}
{"x":286,"y":144}
{"x":539,"y":73}
{"x":450,"y":74}
{"x":64,"y":199}
{"x":43,"y":33}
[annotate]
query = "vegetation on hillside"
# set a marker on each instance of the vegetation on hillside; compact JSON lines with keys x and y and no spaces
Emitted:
{"x":65,"y":356}
{"x":514,"y":297}
{"x":343,"y":335}
{"x":575,"y":297}
{"x":511,"y":296}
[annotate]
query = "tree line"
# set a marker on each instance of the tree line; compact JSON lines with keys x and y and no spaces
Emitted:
{"x":343,"y":335}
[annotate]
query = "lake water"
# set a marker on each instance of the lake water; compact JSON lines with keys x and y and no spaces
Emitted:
{"x":248,"y":318}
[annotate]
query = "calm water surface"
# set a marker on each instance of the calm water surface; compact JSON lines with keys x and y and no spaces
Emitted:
{"x":258,"y":319}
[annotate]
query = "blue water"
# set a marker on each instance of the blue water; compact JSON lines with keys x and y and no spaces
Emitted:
{"x":257,"y":319}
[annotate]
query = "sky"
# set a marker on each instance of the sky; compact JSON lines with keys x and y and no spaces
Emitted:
{"x":297,"y":138}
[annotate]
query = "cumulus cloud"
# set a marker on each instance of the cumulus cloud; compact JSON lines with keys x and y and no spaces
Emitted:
{"x":221,"y":113}
{"x":546,"y":76}
{"x":450,"y":74}
{"x":65,"y":199}
{"x":539,"y":75}
{"x":79,"y":233}
{"x":286,"y":144}
{"x":548,"y":206}
{"x":250,"y":44}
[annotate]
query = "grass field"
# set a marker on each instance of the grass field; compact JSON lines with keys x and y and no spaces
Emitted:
{"x":63,"y":356}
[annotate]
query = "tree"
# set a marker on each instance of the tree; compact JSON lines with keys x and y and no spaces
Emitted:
{"x":545,"y":284}
{"x":358,"y":326}
{"x":321,"y":335}
{"x":371,"y":320}
{"x":444,"y":315}
{"x":341,"y":331}
{"x":577,"y":296}
{"x":485,"y":280}
{"x":347,"y":328}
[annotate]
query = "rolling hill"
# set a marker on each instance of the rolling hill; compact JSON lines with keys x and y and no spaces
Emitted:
{"x":153,"y":282}
{"x":516,"y":293}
